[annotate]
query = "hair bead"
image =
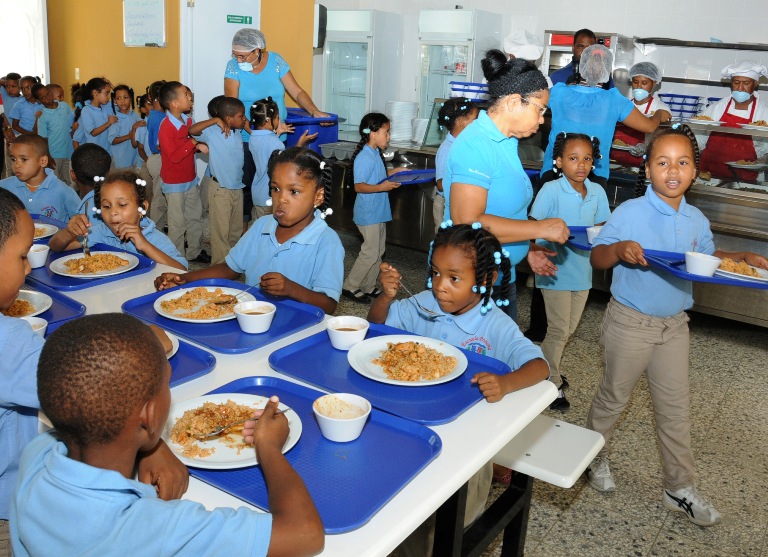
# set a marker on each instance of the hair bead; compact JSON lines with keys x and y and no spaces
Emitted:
{"x":366,"y":130}
{"x":446,"y":223}
{"x":476,"y":226}
{"x":499,"y":303}
{"x":269,"y":203}
{"x":98,"y":179}
{"x":482,"y":290}
{"x":474,"y":288}
{"x":322,"y":165}
{"x":429,"y":283}
{"x":140,"y":182}
{"x":143,"y":211}
{"x":483,"y":310}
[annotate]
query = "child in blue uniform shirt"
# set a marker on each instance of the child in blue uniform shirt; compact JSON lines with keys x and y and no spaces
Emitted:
{"x":22,"y":115}
{"x":293,"y":252}
{"x":36,"y":185}
{"x":122,"y":135}
{"x":645,"y":329}
{"x":55,"y":124}
{"x":579,"y":202}
{"x":96,"y":116}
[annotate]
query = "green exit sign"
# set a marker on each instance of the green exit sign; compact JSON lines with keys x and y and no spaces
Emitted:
{"x":241,"y":19}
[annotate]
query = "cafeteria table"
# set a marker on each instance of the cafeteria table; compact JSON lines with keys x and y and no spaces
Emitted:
{"x":468,"y":442}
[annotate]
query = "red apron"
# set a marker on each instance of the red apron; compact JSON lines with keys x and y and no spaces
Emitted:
{"x":722,"y":148}
{"x":630,"y":137}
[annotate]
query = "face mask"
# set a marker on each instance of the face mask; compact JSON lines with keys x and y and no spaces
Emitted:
{"x":640,"y":94}
{"x":245,"y":66}
{"x":740,"y":96}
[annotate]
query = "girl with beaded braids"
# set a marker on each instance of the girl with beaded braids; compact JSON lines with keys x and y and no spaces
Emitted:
{"x":118,"y":219}
{"x":293,"y":252}
{"x":645,"y":329}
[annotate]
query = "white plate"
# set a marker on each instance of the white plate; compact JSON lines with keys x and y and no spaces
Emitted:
{"x":174,"y":344}
{"x":361,"y":358}
{"x":621,"y":147}
{"x":42,"y":302}
{"x":705,"y":122}
{"x":247,"y":297}
{"x":49,"y":229}
{"x":756,"y":166}
{"x":728,"y":274}
{"x":58,"y":267}
{"x":754,"y":127}
{"x":225,"y":457}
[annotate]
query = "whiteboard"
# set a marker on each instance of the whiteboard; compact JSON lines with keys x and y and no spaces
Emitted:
{"x":144,"y":22}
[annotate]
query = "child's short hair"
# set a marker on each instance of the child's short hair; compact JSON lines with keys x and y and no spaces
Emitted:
{"x":168,"y":93}
{"x":677,"y":129}
{"x":35,"y":88}
{"x":230,"y":106}
{"x":129,"y":90}
{"x":452,"y":110}
{"x":562,"y":139}
{"x":213,"y":106}
{"x":30,"y":78}
{"x":10,"y":205}
{"x":127,"y":176}
{"x":309,"y":165}
{"x":94,"y":372}
{"x":39,"y":144}
{"x":13,"y":76}
{"x":56,"y":86}
{"x":263,"y":111}
{"x":485,"y":252}
{"x":90,"y":161}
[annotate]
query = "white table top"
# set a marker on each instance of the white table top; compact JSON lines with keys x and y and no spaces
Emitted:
{"x":468,"y":442}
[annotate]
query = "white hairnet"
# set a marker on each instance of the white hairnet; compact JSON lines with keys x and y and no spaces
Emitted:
{"x":247,"y":39}
{"x":745,"y":68}
{"x":596,"y":65}
{"x":523,"y":44}
{"x":646,"y":69}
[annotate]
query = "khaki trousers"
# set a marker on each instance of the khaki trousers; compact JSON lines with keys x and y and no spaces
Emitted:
{"x":185,"y":220}
{"x":158,"y":209}
{"x":143,"y":173}
{"x":5,"y":539}
{"x":438,"y":210}
{"x":7,"y":170}
{"x":564,"y":309}
{"x":62,"y":172}
{"x":225,"y":213}
{"x":258,"y":211}
{"x":365,"y":271}
{"x":634,"y":343}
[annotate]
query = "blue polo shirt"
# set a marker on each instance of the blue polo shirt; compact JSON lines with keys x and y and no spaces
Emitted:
{"x":558,"y":199}
{"x":92,"y":118}
{"x":20,"y":347}
{"x":441,"y":159}
{"x":79,"y":134}
{"x":101,"y":233}
{"x":24,"y":111}
{"x":589,"y":110}
{"x":142,"y":136}
{"x":370,"y":208}
{"x":56,"y":126}
{"x":57,"y":495}
{"x":655,"y":225}
{"x":89,"y":199}
{"x":154,"y":120}
{"x":53,"y":198}
{"x":225,"y":161}
{"x":314,"y":258}
{"x":124,"y":154}
{"x":8,"y":102}
{"x":261,"y":145}
{"x":493,"y":334}
{"x":483,"y":156}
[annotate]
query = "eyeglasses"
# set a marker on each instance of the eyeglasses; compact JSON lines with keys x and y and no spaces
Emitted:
{"x":241,"y":56}
{"x":542,"y":109}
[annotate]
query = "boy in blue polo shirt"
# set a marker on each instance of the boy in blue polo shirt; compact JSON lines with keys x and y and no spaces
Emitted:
{"x":55,"y":124}
{"x":22,"y":115}
{"x":37,"y":186}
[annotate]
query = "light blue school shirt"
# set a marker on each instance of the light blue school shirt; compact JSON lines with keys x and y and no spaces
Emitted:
{"x":101,"y":233}
{"x":262,"y":144}
{"x":124,"y":154}
{"x":52,"y":198}
{"x":589,"y":110}
{"x":24,"y":111}
{"x":441,"y":158}
{"x":483,"y":156}
{"x":370,"y":208}
{"x":92,"y":118}
{"x":267,"y":83}
{"x":20,"y":347}
{"x":655,"y":225}
{"x":8,"y":102}
{"x":66,"y":507}
{"x":56,"y":126}
{"x":493,"y":334}
{"x":184,"y":186}
{"x":79,"y":134}
{"x":558,"y":199}
{"x":142,"y":136}
{"x":88,"y":198}
{"x":225,"y":161}
{"x":314,"y":258}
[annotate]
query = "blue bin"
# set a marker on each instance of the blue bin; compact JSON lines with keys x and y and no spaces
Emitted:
{"x":302,"y":121}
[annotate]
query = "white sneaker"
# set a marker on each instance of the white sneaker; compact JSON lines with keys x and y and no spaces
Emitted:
{"x":687,"y":500}
{"x":599,"y":475}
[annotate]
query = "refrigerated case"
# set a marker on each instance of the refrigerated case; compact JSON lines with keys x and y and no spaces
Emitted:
{"x":452,"y":44}
{"x":360,"y":61}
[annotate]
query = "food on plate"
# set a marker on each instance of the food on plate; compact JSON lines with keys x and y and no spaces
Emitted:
{"x":742,"y":161}
{"x":702,"y":117}
{"x":200,"y":304}
{"x":163,"y":337}
{"x":414,"y":361}
{"x":198,"y":422}
{"x":739,"y":267}
{"x":333,"y":407}
{"x":19,"y":308}
{"x":40,"y":231}
{"x":95,"y":263}
{"x":760,"y":123}
{"x":705,"y":175}
{"x":620,"y":143}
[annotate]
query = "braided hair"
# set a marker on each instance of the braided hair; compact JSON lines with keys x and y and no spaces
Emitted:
{"x":371,"y":122}
{"x":308,"y":165}
{"x":263,"y":111}
{"x":153,"y":90}
{"x":454,"y":109}
{"x":679,"y":130}
{"x":483,"y":249}
{"x":510,"y":77}
{"x":562,"y":139}
{"x":126,"y":176}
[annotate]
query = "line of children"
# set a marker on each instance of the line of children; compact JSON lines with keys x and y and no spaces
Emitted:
{"x":54,"y":122}
{"x":122,"y":134}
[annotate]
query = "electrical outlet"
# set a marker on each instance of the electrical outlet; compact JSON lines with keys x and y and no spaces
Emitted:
{"x":77,"y":74}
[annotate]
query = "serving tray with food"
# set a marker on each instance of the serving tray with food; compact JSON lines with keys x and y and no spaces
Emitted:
{"x":45,"y":227}
{"x":674,"y":263}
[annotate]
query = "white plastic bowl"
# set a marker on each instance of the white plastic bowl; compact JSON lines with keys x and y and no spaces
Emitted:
{"x":255,"y":317}
{"x":346,"y":330}
{"x":592,"y":233}
{"x":38,"y":255}
{"x":39,"y":325}
{"x":701,"y":263}
{"x":341,"y":416}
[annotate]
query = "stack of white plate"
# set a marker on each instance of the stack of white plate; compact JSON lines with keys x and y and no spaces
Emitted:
{"x":419,"y":129}
{"x":400,"y":114}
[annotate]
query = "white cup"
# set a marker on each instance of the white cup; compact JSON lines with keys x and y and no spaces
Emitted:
{"x":341,"y":416}
{"x":38,"y":255}
{"x":592,"y":232}
{"x":255,"y":317}
{"x":346,"y":330}
{"x":39,"y":325}
{"x":701,"y":263}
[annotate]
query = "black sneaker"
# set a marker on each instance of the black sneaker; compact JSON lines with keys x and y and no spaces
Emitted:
{"x":564,"y":385}
{"x":357,"y":296}
{"x":535,"y":336}
{"x":202,"y":257}
{"x":560,"y":404}
{"x":375,"y":293}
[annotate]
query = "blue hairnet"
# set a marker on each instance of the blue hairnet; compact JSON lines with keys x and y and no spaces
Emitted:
{"x":596,"y":65}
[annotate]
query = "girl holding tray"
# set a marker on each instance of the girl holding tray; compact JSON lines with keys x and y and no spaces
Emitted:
{"x":645,"y":328}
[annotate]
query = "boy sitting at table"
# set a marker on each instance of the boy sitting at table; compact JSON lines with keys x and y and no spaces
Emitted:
{"x":75,"y":493}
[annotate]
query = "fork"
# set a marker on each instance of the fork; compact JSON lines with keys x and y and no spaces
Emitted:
{"x":230,"y":298}
{"x":86,"y":249}
{"x":218,"y":429}
{"x":428,"y":312}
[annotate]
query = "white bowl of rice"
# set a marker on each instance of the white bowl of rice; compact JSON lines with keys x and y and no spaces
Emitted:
{"x":341,"y":416}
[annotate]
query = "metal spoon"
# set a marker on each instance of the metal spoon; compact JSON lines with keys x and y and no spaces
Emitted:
{"x":218,"y":429}
{"x":428,"y":312}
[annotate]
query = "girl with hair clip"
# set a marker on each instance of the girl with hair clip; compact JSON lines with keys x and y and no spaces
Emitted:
{"x":464,"y":264}
{"x":454,"y":115}
{"x":292,"y":253}
{"x":119,"y":220}
{"x":577,"y":200}
{"x":97,"y":115}
{"x":122,"y":135}
{"x":645,"y":329}
{"x":371,"y":212}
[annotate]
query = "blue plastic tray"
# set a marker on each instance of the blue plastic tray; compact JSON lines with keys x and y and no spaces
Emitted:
{"x":313,"y":360}
{"x":578,"y":238}
{"x":408,"y":177}
{"x":674,"y":263}
{"x":349,"y":482}
{"x":226,"y":336}
{"x":46,"y":277}
{"x":190,"y":362}
{"x":47,"y":220}
{"x":63,"y":309}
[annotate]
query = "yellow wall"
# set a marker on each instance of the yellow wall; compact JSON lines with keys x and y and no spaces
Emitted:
{"x":88,"y":35}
